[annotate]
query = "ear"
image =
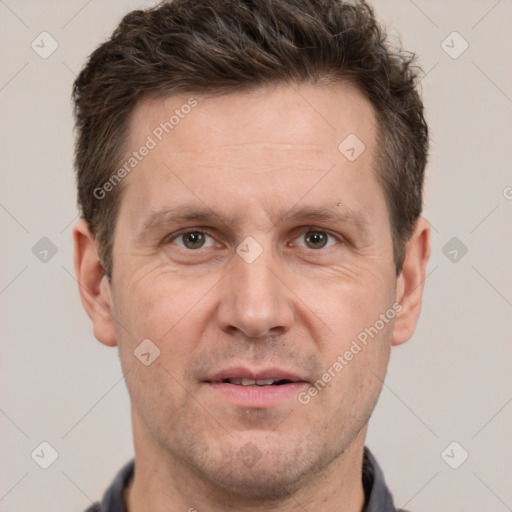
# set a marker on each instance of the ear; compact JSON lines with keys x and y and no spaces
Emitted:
{"x":410,"y":283}
{"x":93,"y":284}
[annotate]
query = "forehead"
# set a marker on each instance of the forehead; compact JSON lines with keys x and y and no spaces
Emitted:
{"x":241,"y":150}
{"x":303,"y":117}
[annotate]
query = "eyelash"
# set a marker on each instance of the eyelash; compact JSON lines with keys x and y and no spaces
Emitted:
{"x":306,"y":230}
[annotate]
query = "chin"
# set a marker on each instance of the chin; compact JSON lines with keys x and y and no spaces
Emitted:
{"x":258,"y":484}
{"x":262,"y":472}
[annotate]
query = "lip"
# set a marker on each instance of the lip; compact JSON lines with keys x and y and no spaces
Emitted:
{"x":254,"y":396}
{"x":246,"y":373}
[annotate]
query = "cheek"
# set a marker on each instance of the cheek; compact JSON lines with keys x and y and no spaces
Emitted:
{"x":156,"y":304}
{"x":158,"y":319}
{"x":359,"y":316}
{"x":168,"y":311}
{"x":349,"y":301}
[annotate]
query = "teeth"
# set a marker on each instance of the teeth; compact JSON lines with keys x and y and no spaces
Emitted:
{"x":265,"y":382}
{"x":252,"y":382}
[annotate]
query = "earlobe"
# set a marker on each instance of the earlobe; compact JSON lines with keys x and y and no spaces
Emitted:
{"x":93,"y":284}
{"x":410,"y":283}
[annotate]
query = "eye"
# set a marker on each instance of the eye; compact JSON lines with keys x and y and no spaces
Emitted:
{"x":317,"y":239}
{"x":191,"y":240}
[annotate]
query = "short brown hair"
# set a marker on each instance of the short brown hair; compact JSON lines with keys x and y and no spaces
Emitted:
{"x":222,"y":46}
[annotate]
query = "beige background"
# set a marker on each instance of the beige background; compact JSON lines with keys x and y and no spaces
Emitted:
{"x":451,"y":382}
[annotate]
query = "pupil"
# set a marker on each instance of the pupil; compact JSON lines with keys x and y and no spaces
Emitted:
{"x":194,"y":240}
{"x":317,"y":239}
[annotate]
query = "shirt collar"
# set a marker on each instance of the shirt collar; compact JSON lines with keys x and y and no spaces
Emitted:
{"x":378,"y":497}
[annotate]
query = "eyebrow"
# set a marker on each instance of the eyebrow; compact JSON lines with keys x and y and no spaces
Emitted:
{"x":338,"y":214}
{"x":162,"y":219}
{"x":181,"y":213}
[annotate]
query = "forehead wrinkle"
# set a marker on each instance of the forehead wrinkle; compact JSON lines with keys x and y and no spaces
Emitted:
{"x":280,"y":146}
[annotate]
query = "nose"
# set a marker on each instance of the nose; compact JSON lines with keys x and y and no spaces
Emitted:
{"x":255,"y":301}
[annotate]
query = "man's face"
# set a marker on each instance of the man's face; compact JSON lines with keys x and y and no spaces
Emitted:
{"x":289,"y":299}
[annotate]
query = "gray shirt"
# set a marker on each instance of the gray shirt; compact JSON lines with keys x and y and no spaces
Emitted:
{"x":378,"y":497}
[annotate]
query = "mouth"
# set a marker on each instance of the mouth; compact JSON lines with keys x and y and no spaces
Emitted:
{"x":241,"y":376}
{"x":250,"y":388}
{"x":237,"y":381}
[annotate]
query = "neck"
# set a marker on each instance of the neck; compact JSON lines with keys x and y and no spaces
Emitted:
{"x":162,"y":483}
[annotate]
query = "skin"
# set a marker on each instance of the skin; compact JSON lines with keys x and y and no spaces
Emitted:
{"x":251,"y":158}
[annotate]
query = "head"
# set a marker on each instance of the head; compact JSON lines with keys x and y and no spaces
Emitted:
{"x":250,"y":180}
